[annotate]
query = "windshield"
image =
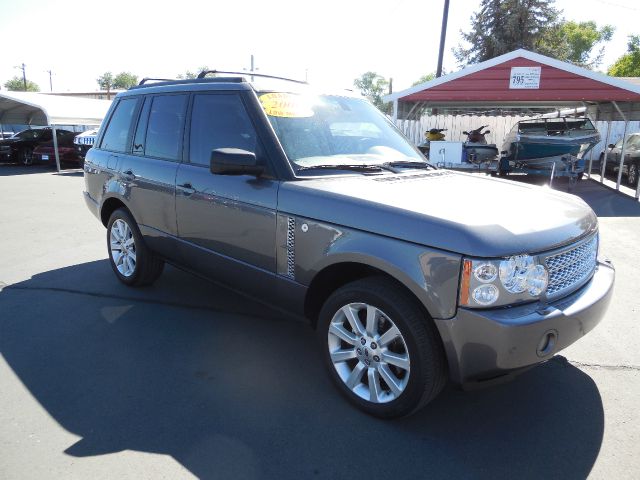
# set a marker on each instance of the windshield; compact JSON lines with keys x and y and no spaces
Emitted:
{"x":329,"y":130}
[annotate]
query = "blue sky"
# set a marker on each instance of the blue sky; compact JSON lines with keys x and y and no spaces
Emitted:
{"x":330,"y":42}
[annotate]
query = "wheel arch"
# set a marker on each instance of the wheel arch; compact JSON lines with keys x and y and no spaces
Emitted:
{"x":338,"y":274}
{"x":109,"y":206}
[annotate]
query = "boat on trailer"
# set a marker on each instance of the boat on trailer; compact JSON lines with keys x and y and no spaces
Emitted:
{"x":543,"y":145}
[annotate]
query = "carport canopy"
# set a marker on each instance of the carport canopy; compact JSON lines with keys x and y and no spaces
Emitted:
{"x":523,"y":83}
{"x":38,"y":109}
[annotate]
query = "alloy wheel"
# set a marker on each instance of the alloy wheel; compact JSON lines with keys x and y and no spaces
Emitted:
{"x":368,"y":352}
{"x":123,"y":248}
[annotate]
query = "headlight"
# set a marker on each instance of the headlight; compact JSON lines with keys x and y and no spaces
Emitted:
{"x":502,"y":281}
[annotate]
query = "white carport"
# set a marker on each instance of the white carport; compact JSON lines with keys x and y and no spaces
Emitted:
{"x":38,"y":109}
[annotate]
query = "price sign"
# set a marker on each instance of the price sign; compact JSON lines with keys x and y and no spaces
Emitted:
{"x":525,"y":77}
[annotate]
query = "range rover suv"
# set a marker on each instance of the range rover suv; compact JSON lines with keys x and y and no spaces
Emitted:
{"x":313,"y":201}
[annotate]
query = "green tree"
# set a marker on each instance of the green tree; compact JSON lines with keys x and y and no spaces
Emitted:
{"x":125,"y":80}
{"x":628,"y":65}
{"x":501,"y":26}
{"x":16,"y":84}
{"x":105,"y":81}
{"x":373,"y":86}
{"x":426,"y":78}
{"x":190,"y":74}
{"x":574,"y":42}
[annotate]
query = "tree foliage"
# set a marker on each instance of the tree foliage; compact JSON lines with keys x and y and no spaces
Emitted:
{"x":628,"y":65}
{"x":16,"y":84}
{"x":125,"y":80}
{"x":190,"y":74}
{"x":501,"y":26}
{"x":105,"y":81}
{"x":574,"y":42}
{"x":425,"y":78}
{"x":373,"y":86}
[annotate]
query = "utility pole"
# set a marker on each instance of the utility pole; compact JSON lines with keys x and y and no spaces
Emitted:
{"x":443,"y":35}
{"x":50,"y":81}
{"x":24,"y":75}
{"x":252,"y":66}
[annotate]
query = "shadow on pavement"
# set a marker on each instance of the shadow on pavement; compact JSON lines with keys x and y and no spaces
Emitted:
{"x":231,"y":389}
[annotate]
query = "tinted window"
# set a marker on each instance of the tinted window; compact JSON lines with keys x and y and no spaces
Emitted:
{"x":117,"y":133}
{"x":219,"y":121}
{"x":164,"y":131}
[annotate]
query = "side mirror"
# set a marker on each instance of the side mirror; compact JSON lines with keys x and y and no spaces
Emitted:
{"x":611,"y":145}
{"x":234,"y":161}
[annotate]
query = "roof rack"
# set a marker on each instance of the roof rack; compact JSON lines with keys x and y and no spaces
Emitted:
{"x":202,"y":75}
{"x":149,"y":79}
{"x":163,"y":81}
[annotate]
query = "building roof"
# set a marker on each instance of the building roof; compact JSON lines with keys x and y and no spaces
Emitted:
{"x":490,"y":84}
{"x":28,"y":108}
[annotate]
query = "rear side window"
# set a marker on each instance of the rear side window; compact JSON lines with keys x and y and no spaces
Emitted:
{"x":219,"y":121}
{"x":164,"y":129}
{"x":117,"y":133}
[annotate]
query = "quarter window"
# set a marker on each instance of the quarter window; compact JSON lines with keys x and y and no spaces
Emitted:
{"x":219,"y":121}
{"x":117,"y":133}
{"x":164,"y":130}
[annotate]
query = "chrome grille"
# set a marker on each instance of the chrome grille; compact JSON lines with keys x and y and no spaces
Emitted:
{"x":569,"y":269}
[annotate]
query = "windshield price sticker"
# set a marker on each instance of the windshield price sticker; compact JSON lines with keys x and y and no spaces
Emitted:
{"x":286,"y":105}
{"x":525,"y":77}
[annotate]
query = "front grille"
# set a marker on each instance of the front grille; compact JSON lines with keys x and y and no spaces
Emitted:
{"x":570,"y":269}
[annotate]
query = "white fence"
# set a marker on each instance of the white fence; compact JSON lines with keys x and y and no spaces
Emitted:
{"x":499,"y":126}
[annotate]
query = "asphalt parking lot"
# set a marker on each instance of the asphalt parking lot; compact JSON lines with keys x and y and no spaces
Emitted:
{"x":187,"y":379}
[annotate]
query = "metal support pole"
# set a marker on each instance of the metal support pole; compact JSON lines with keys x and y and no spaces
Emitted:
{"x":55,"y":147}
{"x":624,"y":144}
{"x":605,"y":153}
{"x":395,"y":111}
{"x":595,"y":122}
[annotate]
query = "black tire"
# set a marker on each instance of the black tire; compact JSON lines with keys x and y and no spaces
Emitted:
{"x":427,"y":373}
{"x":26,"y":156}
{"x":632,"y":175}
{"x":148,"y":265}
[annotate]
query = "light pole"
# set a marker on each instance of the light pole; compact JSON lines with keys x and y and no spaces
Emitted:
{"x":50,"y":81}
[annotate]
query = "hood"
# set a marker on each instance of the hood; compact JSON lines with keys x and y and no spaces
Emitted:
{"x":462,"y":213}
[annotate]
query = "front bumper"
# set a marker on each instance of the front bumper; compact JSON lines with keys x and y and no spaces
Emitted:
{"x":484,"y":345}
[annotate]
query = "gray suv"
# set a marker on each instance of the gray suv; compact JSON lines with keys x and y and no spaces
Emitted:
{"x":314,"y":202}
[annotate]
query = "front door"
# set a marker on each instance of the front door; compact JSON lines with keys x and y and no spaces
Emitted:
{"x":226,"y":223}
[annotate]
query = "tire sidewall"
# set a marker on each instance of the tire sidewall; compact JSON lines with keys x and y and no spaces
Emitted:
{"x":412,"y":393}
{"x":124,"y":215}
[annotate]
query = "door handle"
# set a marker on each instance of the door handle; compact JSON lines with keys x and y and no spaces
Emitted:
{"x":128,"y":175}
{"x":186,"y":188}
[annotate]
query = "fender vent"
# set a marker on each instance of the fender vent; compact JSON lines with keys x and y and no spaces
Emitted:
{"x":291,"y":247}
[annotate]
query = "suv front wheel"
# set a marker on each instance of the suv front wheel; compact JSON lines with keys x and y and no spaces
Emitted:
{"x":379,"y":348}
{"x":132,"y":261}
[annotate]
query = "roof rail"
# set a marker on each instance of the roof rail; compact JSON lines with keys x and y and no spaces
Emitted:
{"x":149,"y":79}
{"x":202,"y":74}
{"x":164,"y":82}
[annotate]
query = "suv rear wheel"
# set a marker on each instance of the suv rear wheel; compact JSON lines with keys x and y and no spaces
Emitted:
{"x":132,"y":261}
{"x":379,"y":348}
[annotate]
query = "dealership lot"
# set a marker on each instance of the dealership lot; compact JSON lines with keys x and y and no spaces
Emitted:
{"x":187,"y":379}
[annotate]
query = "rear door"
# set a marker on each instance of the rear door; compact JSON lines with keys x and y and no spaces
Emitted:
{"x":227,"y":222}
{"x":149,"y":170}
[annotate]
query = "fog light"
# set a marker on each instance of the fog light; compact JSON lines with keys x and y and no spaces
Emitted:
{"x":485,"y":294}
